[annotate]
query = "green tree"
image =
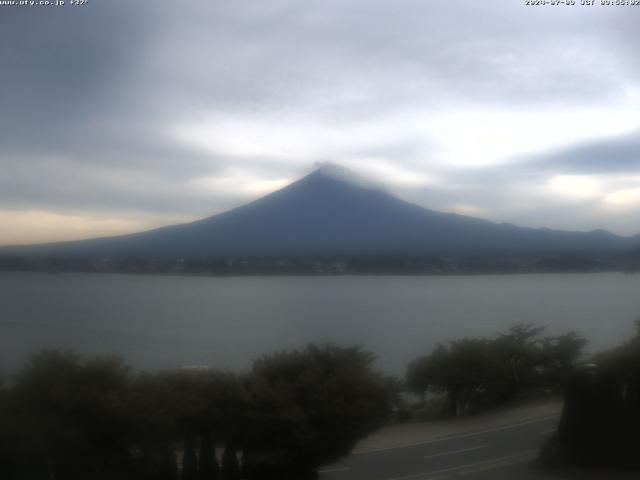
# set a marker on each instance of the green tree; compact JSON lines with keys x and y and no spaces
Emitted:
{"x":559,"y":356}
{"x":155,"y":432}
{"x":7,"y":457}
{"x":189,"y":460}
{"x":600,"y":422}
{"x":72,"y":416}
{"x":230,"y":467}
{"x":417,"y":378}
{"x":208,"y":464}
{"x":519,"y":349}
{"x":176,"y":407}
{"x":309,"y":407}
{"x":475,"y":372}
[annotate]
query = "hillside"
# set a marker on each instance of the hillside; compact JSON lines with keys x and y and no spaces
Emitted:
{"x":325,"y":214}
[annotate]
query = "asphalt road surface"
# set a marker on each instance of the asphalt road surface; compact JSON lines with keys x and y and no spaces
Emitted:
{"x":502,"y":452}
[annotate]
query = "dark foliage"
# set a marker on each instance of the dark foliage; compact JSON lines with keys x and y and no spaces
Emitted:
{"x":189,"y":460}
{"x":68,"y":417}
{"x":485,"y":372}
{"x":207,"y":461}
{"x":230,"y":466}
{"x":72,"y":418}
{"x":309,"y":408}
{"x":600,"y":422}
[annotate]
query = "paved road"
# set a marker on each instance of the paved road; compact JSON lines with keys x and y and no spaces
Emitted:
{"x":502,"y":452}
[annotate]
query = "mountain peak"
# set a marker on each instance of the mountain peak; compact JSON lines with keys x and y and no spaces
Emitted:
{"x":334,"y":212}
{"x":334,"y":171}
{"x":331,"y":169}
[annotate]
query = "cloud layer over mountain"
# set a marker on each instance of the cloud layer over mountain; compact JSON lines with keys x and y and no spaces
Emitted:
{"x":118,"y":116}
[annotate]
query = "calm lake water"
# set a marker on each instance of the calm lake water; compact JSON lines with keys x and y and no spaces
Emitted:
{"x":167,"y":321}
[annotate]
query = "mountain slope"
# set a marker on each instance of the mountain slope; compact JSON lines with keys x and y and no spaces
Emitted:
{"x":324,"y":214}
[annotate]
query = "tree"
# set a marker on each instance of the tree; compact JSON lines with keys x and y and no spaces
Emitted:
{"x":309,"y":407}
{"x":417,"y":378}
{"x":180,"y":406}
{"x":155,"y":431}
{"x":7,"y":457}
{"x":207,"y":462}
{"x":230,"y":466}
{"x":600,"y":422}
{"x":189,"y":460}
{"x":559,"y":356}
{"x":519,"y":347}
{"x":72,"y":416}
{"x":474,"y":372}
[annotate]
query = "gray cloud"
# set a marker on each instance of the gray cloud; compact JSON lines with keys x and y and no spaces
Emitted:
{"x":91,"y":97}
{"x":523,"y":192}
{"x":611,"y":155}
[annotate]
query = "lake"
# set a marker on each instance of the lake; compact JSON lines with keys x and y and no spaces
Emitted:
{"x":167,"y":321}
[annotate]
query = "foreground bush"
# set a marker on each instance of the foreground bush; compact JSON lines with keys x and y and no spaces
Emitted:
{"x":69,"y":418}
{"x":600,"y":422}
{"x":309,"y":408}
{"x":474,"y":372}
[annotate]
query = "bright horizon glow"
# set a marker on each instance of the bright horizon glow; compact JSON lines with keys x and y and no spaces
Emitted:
{"x":36,"y":226}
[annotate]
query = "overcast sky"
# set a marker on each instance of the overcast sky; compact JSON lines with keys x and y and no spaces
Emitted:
{"x":119,"y":115}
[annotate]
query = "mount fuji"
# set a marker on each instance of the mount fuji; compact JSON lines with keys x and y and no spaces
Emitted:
{"x":328,"y":213}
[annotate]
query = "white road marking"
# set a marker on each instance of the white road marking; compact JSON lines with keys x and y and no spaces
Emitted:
{"x":547,"y":432}
{"x":453,"y":452}
{"x":334,"y":470}
{"x":461,"y":435}
{"x":473,"y":467}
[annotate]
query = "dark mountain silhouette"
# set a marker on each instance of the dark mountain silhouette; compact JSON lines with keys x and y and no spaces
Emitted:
{"x":324,"y":214}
